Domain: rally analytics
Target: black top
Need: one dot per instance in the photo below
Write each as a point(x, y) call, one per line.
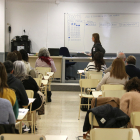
point(132, 71)
point(17, 85)
point(97, 48)
point(30, 84)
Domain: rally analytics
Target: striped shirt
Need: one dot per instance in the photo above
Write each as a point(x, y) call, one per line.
point(91, 67)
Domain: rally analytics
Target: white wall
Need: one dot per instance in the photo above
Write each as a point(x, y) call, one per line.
point(2, 25)
point(44, 22)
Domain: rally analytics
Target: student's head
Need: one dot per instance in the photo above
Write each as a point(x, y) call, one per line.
point(3, 78)
point(43, 52)
point(121, 55)
point(133, 85)
point(12, 56)
point(131, 60)
point(19, 70)
point(96, 38)
point(98, 59)
point(9, 66)
point(24, 55)
point(18, 55)
point(118, 69)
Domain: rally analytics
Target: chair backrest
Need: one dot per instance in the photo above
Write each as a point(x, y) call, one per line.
point(43, 70)
point(112, 87)
point(113, 93)
point(64, 52)
point(111, 134)
point(38, 81)
point(92, 120)
point(30, 93)
point(22, 137)
point(135, 119)
point(97, 75)
point(88, 73)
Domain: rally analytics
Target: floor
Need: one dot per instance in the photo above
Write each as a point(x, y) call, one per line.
point(61, 116)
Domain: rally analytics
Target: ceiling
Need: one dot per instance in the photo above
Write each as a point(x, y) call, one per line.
point(132, 1)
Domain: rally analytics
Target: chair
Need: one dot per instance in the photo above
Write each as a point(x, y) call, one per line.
point(92, 120)
point(30, 93)
point(111, 134)
point(113, 93)
point(95, 75)
point(135, 119)
point(86, 83)
point(87, 74)
point(112, 87)
point(22, 137)
point(65, 52)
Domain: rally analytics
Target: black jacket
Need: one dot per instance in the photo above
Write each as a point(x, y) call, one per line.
point(97, 48)
point(30, 84)
point(114, 117)
point(17, 85)
point(132, 71)
point(7, 128)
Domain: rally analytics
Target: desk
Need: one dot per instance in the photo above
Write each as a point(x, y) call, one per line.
point(58, 64)
point(96, 94)
point(80, 59)
point(22, 113)
point(56, 137)
point(135, 134)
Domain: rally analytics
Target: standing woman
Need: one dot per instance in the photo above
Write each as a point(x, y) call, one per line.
point(97, 47)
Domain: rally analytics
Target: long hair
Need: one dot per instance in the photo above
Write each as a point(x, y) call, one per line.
point(118, 69)
point(20, 71)
point(3, 78)
point(98, 60)
point(97, 38)
point(24, 55)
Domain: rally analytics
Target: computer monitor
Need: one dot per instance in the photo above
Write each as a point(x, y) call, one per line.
point(54, 51)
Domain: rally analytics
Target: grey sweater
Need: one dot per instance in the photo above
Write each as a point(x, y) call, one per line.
point(6, 112)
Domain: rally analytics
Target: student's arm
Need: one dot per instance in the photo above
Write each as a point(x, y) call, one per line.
point(108, 69)
point(87, 68)
point(103, 81)
point(124, 103)
point(53, 66)
point(12, 119)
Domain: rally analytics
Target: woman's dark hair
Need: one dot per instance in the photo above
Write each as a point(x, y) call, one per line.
point(3, 78)
point(12, 56)
point(98, 59)
point(18, 55)
point(9, 66)
point(133, 84)
point(24, 55)
point(96, 37)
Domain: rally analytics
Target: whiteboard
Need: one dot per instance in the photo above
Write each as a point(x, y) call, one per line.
point(118, 32)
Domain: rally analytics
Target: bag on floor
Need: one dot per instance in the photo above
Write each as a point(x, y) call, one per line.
point(41, 111)
point(49, 94)
point(85, 101)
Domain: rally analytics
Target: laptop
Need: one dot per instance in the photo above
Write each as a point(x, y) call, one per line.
point(54, 51)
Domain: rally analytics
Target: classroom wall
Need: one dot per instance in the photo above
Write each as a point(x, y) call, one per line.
point(2, 29)
point(44, 22)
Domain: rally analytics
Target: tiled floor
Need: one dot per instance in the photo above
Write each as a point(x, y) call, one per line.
point(61, 116)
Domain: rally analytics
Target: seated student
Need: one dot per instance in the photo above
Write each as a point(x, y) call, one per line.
point(25, 60)
point(130, 67)
point(98, 63)
point(119, 55)
point(16, 84)
point(28, 82)
point(44, 60)
point(12, 56)
point(7, 115)
point(117, 75)
point(6, 92)
point(130, 101)
point(18, 55)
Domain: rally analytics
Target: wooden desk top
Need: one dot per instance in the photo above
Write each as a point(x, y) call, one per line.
point(56, 137)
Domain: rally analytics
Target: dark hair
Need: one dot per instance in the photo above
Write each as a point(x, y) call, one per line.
point(131, 60)
point(3, 78)
point(118, 69)
point(9, 66)
point(12, 56)
point(24, 55)
point(96, 37)
point(18, 55)
point(133, 84)
point(98, 59)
